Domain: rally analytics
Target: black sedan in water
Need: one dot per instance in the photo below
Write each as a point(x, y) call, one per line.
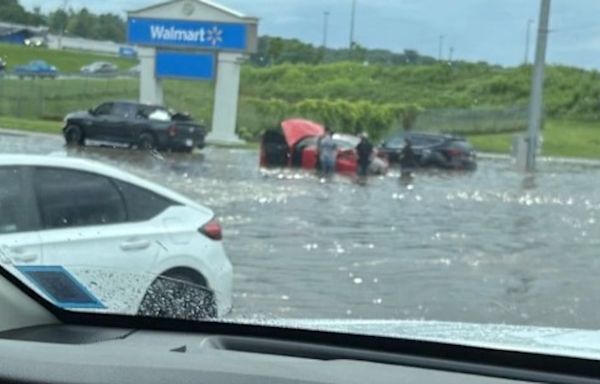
point(142, 125)
point(432, 150)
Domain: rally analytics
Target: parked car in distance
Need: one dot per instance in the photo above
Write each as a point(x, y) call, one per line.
point(99, 67)
point(36, 68)
point(432, 150)
point(35, 42)
point(294, 144)
point(102, 223)
point(143, 125)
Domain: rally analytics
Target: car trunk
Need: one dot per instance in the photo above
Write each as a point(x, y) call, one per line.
point(274, 149)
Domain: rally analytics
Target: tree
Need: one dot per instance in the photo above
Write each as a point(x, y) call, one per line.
point(37, 17)
point(82, 24)
point(11, 11)
point(109, 27)
point(57, 20)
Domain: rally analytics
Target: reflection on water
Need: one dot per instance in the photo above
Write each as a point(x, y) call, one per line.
point(529, 182)
point(489, 246)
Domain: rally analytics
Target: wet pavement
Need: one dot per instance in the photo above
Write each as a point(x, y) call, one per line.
point(491, 246)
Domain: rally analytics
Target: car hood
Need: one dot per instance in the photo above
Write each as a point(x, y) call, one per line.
point(295, 130)
point(545, 340)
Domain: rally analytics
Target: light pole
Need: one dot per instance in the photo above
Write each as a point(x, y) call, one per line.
point(537, 86)
point(441, 48)
point(352, 22)
point(527, 40)
point(64, 26)
point(451, 54)
point(325, 28)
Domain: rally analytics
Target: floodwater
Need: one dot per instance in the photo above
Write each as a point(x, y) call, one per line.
point(493, 246)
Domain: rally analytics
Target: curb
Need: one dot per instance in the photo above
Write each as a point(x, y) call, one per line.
point(23, 133)
point(545, 159)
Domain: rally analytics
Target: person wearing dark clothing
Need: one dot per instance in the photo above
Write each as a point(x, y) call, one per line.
point(364, 150)
point(408, 161)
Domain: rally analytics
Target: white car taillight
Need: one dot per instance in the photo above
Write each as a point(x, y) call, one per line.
point(212, 230)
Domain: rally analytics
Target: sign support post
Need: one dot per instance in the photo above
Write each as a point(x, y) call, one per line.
point(187, 39)
point(151, 91)
point(224, 119)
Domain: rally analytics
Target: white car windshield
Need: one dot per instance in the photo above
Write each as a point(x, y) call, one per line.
point(421, 169)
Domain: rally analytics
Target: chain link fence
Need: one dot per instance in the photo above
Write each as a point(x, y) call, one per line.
point(52, 99)
point(474, 120)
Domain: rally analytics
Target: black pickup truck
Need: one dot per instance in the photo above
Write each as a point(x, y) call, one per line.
point(142, 125)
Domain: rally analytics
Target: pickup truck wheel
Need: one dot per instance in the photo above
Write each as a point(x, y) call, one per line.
point(74, 135)
point(146, 141)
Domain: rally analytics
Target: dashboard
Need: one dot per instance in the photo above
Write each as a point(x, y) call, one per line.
point(43, 344)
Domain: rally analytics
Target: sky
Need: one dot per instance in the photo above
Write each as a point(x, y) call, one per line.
point(488, 30)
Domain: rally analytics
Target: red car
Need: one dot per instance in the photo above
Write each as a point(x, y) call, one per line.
point(294, 144)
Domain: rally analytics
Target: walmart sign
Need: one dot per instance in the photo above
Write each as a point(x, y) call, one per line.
point(187, 34)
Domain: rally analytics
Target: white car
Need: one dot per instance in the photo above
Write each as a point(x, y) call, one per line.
point(128, 241)
point(99, 67)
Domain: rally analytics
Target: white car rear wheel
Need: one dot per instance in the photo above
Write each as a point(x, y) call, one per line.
point(178, 296)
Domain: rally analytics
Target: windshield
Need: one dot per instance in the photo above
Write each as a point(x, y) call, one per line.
point(336, 221)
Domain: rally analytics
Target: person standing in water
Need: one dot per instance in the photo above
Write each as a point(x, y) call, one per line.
point(408, 161)
point(327, 150)
point(364, 150)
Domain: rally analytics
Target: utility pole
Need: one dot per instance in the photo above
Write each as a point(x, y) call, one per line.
point(451, 54)
point(325, 28)
point(537, 86)
point(64, 26)
point(441, 48)
point(527, 41)
point(352, 22)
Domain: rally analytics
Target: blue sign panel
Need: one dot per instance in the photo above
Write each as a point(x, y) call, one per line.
point(181, 65)
point(127, 52)
point(61, 287)
point(188, 34)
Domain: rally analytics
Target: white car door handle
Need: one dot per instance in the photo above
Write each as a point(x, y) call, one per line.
point(135, 245)
point(24, 257)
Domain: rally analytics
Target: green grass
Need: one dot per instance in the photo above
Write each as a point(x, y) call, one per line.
point(561, 138)
point(40, 104)
point(44, 126)
point(46, 98)
point(246, 145)
point(65, 61)
point(53, 99)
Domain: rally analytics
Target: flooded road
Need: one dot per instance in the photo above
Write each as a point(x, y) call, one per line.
point(490, 246)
